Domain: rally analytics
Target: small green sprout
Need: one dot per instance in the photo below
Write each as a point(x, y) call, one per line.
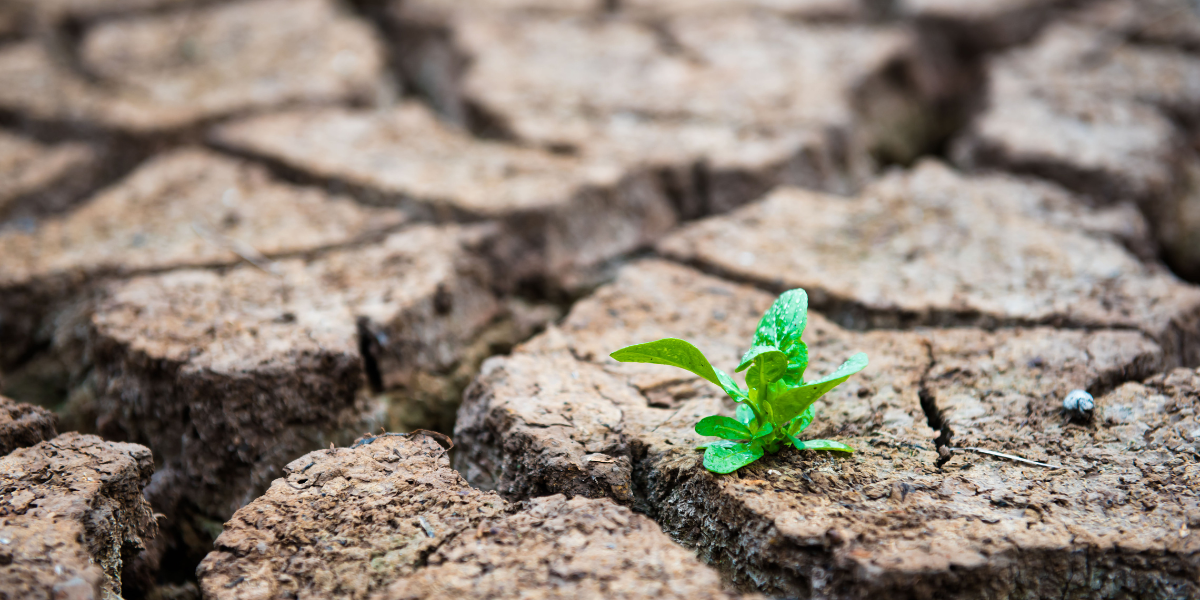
point(778, 405)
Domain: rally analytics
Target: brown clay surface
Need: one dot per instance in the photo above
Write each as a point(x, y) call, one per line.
point(559, 548)
point(1172, 23)
point(164, 72)
point(561, 215)
point(1095, 112)
point(38, 178)
point(981, 24)
point(347, 522)
point(934, 247)
point(49, 12)
point(70, 509)
point(230, 375)
point(750, 98)
point(23, 425)
point(558, 416)
point(182, 209)
point(344, 523)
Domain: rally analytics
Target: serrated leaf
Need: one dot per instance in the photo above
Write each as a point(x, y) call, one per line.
point(819, 445)
point(727, 458)
point(744, 414)
point(783, 324)
point(678, 353)
point(723, 427)
point(801, 422)
point(795, 401)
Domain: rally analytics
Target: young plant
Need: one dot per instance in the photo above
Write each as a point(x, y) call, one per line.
point(778, 404)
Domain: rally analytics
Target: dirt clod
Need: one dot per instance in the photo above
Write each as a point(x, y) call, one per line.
point(23, 425)
point(72, 511)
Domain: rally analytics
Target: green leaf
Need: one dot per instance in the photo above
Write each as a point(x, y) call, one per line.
point(797, 364)
point(678, 353)
point(772, 355)
point(795, 401)
point(801, 422)
point(783, 324)
point(820, 445)
point(744, 414)
point(767, 365)
point(729, 457)
point(765, 431)
point(723, 427)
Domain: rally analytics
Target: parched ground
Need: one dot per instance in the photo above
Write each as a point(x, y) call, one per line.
point(239, 239)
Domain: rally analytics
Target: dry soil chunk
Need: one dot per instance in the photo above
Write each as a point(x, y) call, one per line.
point(558, 416)
point(568, 214)
point(1094, 112)
point(1162, 22)
point(752, 98)
point(23, 425)
point(185, 208)
point(229, 375)
point(344, 523)
point(981, 24)
point(72, 510)
point(930, 246)
point(164, 72)
point(52, 12)
point(37, 178)
point(559, 548)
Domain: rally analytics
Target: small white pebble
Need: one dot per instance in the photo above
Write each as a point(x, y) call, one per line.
point(1079, 402)
point(773, 472)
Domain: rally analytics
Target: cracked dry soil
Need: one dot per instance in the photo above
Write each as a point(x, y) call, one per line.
point(237, 234)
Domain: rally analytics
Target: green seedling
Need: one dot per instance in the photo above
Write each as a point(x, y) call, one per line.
point(778, 404)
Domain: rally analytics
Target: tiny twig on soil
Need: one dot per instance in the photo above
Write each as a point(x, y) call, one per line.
point(1013, 457)
point(245, 251)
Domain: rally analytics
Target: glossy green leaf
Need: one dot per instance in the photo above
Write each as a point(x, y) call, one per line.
point(744, 414)
point(795, 401)
point(723, 427)
point(678, 353)
point(771, 355)
point(767, 365)
point(797, 363)
point(820, 445)
point(730, 386)
point(729, 457)
point(766, 430)
point(783, 324)
point(801, 422)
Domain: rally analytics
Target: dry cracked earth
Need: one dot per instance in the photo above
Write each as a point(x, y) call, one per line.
point(242, 239)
